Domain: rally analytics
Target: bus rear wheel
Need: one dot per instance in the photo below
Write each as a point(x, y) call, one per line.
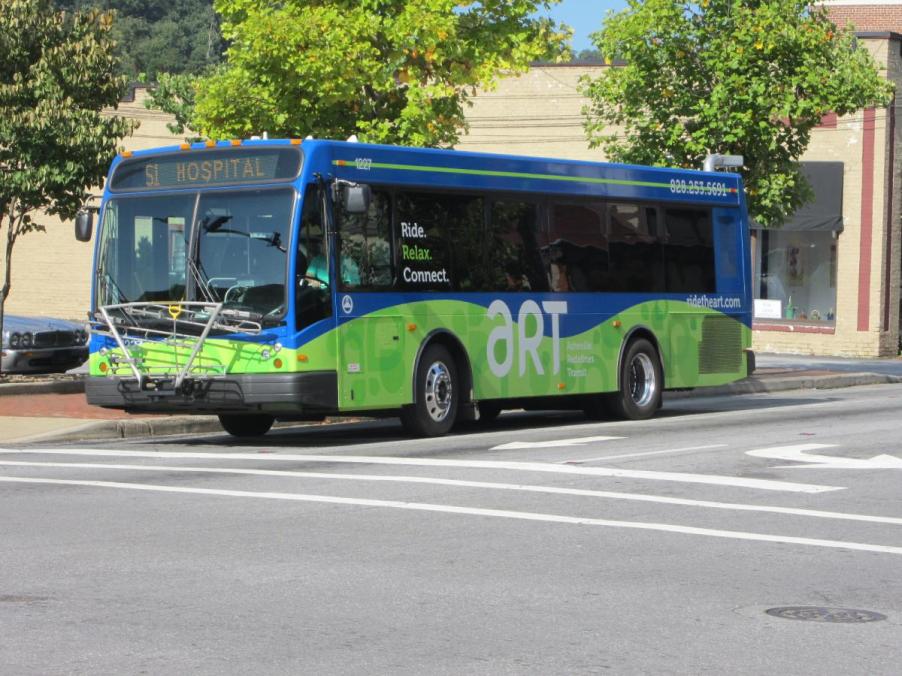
point(641, 382)
point(435, 395)
point(246, 425)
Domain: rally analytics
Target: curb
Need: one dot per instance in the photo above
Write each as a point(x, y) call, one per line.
point(757, 385)
point(68, 386)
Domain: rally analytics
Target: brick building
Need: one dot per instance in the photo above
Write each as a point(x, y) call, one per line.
point(867, 16)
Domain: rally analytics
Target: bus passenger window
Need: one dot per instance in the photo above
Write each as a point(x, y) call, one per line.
point(514, 261)
point(636, 257)
point(576, 250)
point(689, 251)
point(365, 246)
point(441, 242)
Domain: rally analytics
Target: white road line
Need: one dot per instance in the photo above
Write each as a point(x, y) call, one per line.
point(528, 488)
point(551, 443)
point(812, 461)
point(640, 455)
point(709, 479)
point(472, 511)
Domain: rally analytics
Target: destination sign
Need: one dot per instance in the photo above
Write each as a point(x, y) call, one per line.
point(198, 168)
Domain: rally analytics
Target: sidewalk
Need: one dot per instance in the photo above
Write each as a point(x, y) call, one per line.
point(57, 411)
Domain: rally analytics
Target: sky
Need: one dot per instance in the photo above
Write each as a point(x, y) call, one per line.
point(583, 16)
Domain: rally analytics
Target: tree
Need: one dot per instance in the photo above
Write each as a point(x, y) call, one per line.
point(394, 71)
point(588, 56)
point(57, 71)
point(174, 94)
point(746, 77)
point(160, 36)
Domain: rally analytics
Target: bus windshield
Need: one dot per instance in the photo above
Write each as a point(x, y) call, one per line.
point(228, 247)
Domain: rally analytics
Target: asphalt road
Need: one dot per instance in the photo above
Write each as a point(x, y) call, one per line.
point(539, 544)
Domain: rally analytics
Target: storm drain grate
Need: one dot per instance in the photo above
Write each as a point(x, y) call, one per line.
point(816, 614)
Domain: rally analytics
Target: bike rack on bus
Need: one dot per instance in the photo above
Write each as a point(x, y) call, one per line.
point(122, 322)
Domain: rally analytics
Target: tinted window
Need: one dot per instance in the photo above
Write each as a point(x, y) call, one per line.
point(514, 262)
point(575, 252)
point(689, 250)
point(365, 245)
point(635, 249)
point(440, 242)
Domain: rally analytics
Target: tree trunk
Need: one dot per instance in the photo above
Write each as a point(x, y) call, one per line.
point(8, 257)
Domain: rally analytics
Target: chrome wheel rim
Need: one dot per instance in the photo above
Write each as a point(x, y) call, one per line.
point(642, 381)
point(438, 391)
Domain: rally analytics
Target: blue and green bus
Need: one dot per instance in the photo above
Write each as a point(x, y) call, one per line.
point(270, 280)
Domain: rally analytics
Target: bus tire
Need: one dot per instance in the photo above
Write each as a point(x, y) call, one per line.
point(246, 425)
point(641, 382)
point(435, 395)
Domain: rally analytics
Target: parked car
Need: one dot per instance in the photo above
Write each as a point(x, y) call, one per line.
point(42, 344)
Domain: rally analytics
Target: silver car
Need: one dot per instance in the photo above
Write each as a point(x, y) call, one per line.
point(42, 344)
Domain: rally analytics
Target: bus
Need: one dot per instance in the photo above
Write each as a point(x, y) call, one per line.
point(280, 280)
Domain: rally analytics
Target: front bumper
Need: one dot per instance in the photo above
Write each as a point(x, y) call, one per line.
point(283, 394)
point(43, 360)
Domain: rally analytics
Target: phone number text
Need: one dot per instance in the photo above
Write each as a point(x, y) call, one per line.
point(681, 187)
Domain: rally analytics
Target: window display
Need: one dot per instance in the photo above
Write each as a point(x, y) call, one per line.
point(795, 276)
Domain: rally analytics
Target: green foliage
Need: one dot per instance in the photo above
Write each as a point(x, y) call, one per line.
point(390, 71)
point(747, 77)
point(174, 94)
point(57, 71)
point(160, 36)
point(588, 56)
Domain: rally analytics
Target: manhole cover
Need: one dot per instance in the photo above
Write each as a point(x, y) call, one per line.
point(816, 614)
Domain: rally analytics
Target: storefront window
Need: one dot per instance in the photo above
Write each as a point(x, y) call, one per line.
point(795, 276)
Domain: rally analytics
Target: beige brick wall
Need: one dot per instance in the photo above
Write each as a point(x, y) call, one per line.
point(537, 113)
point(51, 271)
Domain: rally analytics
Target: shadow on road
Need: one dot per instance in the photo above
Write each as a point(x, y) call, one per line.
point(364, 431)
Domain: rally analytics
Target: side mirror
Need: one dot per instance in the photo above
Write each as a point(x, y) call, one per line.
point(84, 225)
point(356, 197)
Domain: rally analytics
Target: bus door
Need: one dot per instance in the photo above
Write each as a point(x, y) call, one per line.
point(372, 372)
point(313, 297)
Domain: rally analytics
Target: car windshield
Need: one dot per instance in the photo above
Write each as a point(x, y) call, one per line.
point(239, 240)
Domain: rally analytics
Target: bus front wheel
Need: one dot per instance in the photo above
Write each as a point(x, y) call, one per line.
point(641, 382)
point(435, 395)
point(246, 425)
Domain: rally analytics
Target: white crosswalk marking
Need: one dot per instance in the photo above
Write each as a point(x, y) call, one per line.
point(472, 511)
point(493, 485)
point(681, 477)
